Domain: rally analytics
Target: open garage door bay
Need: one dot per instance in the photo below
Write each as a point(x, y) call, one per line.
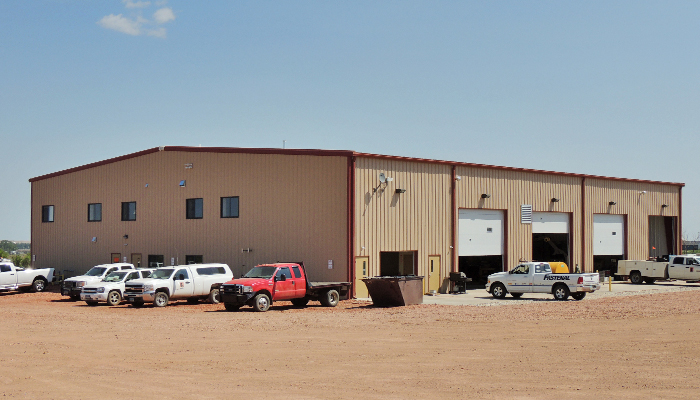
point(480, 242)
point(608, 241)
point(550, 236)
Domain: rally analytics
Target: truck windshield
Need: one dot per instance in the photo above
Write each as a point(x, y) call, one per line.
point(96, 271)
point(115, 277)
point(260, 272)
point(162, 273)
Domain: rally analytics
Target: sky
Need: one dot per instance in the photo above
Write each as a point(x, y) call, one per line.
point(593, 87)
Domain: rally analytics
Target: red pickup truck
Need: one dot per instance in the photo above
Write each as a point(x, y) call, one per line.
point(266, 283)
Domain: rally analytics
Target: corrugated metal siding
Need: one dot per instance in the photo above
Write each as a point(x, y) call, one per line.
point(636, 206)
point(418, 220)
point(292, 208)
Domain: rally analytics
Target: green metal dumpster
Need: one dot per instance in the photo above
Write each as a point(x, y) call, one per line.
point(393, 291)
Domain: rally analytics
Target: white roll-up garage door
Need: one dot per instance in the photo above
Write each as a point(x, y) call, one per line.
point(608, 234)
point(550, 222)
point(480, 232)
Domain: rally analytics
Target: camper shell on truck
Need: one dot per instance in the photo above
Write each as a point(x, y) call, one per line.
point(267, 283)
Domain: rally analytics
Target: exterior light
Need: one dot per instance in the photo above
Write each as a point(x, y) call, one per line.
point(399, 191)
point(555, 200)
point(664, 205)
point(612, 203)
point(182, 183)
point(126, 236)
point(485, 196)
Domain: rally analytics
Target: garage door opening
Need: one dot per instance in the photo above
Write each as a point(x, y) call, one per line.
point(608, 242)
point(397, 263)
point(155, 260)
point(480, 267)
point(480, 243)
point(661, 236)
point(550, 237)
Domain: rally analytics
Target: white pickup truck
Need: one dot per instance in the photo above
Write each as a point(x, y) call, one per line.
point(537, 277)
point(15, 278)
point(110, 290)
point(191, 282)
point(682, 268)
point(74, 285)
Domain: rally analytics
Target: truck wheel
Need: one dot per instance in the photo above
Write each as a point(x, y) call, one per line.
point(114, 298)
point(161, 299)
point(231, 307)
point(91, 303)
point(517, 295)
point(137, 303)
point(38, 285)
point(649, 281)
point(261, 302)
point(300, 302)
point(498, 291)
point(636, 277)
point(578, 296)
point(330, 298)
point(560, 292)
point(214, 296)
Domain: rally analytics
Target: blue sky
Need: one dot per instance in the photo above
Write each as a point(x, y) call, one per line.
point(596, 87)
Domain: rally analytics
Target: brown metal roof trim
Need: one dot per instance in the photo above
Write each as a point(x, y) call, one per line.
point(333, 153)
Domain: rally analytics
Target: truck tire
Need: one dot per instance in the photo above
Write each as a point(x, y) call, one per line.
point(579, 295)
point(517, 295)
point(560, 292)
point(38, 285)
point(261, 302)
point(636, 277)
point(114, 298)
point(137, 303)
point(329, 298)
point(91, 303)
point(161, 299)
point(649, 281)
point(498, 290)
point(214, 297)
point(300, 302)
point(231, 307)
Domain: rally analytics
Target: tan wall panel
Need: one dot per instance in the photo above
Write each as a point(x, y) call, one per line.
point(292, 208)
point(418, 220)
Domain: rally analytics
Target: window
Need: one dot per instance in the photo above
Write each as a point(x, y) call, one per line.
point(297, 272)
point(181, 275)
point(95, 212)
point(5, 268)
point(47, 214)
point(129, 211)
point(195, 208)
point(155, 260)
point(283, 271)
point(133, 275)
point(229, 207)
point(194, 259)
point(211, 271)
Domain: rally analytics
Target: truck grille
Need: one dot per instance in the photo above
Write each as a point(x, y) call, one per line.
point(89, 290)
point(69, 284)
point(232, 289)
point(134, 288)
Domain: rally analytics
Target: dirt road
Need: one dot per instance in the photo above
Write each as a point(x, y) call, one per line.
point(632, 347)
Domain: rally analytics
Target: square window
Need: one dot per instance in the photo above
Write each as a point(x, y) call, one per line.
point(95, 212)
point(46, 213)
point(229, 207)
point(195, 208)
point(129, 211)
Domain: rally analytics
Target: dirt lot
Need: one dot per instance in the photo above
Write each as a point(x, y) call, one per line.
point(630, 347)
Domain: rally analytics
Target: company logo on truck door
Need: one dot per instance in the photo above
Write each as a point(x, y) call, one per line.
point(556, 277)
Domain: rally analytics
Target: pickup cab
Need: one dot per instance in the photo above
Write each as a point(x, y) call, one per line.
point(110, 290)
point(73, 286)
point(267, 283)
point(682, 268)
point(192, 282)
point(537, 277)
point(15, 278)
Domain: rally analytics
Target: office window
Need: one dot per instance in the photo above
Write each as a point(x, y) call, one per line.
point(192, 259)
point(46, 213)
point(95, 212)
point(229, 207)
point(195, 208)
point(129, 211)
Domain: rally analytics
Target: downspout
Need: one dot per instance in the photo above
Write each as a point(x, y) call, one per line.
point(351, 223)
point(455, 263)
point(679, 234)
point(584, 252)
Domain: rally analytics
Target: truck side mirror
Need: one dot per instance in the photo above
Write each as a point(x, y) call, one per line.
point(283, 277)
point(181, 277)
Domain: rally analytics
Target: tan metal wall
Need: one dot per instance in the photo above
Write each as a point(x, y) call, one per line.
point(636, 206)
point(292, 208)
point(418, 220)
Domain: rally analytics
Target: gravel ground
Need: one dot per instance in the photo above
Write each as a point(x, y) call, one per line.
point(616, 345)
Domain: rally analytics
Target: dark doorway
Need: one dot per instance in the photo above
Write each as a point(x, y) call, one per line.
point(607, 263)
point(480, 267)
point(550, 247)
point(194, 260)
point(397, 263)
point(662, 236)
point(155, 260)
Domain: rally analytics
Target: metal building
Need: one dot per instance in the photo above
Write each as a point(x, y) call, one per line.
point(347, 215)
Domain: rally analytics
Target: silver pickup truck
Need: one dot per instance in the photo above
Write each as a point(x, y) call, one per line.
point(537, 277)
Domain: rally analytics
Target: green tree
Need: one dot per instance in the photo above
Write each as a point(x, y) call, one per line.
point(3, 254)
point(21, 260)
point(7, 246)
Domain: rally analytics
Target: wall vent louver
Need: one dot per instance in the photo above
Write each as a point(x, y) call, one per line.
point(526, 213)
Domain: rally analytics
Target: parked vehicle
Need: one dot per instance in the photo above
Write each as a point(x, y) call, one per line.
point(267, 283)
point(16, 278)
point(110, 290)
point(537, 277)
point(192, 282)
point(683, 268)
point(74, 285)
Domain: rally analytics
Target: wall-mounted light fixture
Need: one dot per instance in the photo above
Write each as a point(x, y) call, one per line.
point(182, 183)
point(611, 203)
point(188, 166)
point(555, 200)
point(125, 236)
point(664, 205)
point(643, 192)
point(458, 178)
point(399, 191)
point(485, 196)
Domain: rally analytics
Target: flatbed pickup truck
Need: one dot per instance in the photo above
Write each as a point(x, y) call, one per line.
point(266, 283)
point(682, 268)
point(16, 278)
point(537, 277)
